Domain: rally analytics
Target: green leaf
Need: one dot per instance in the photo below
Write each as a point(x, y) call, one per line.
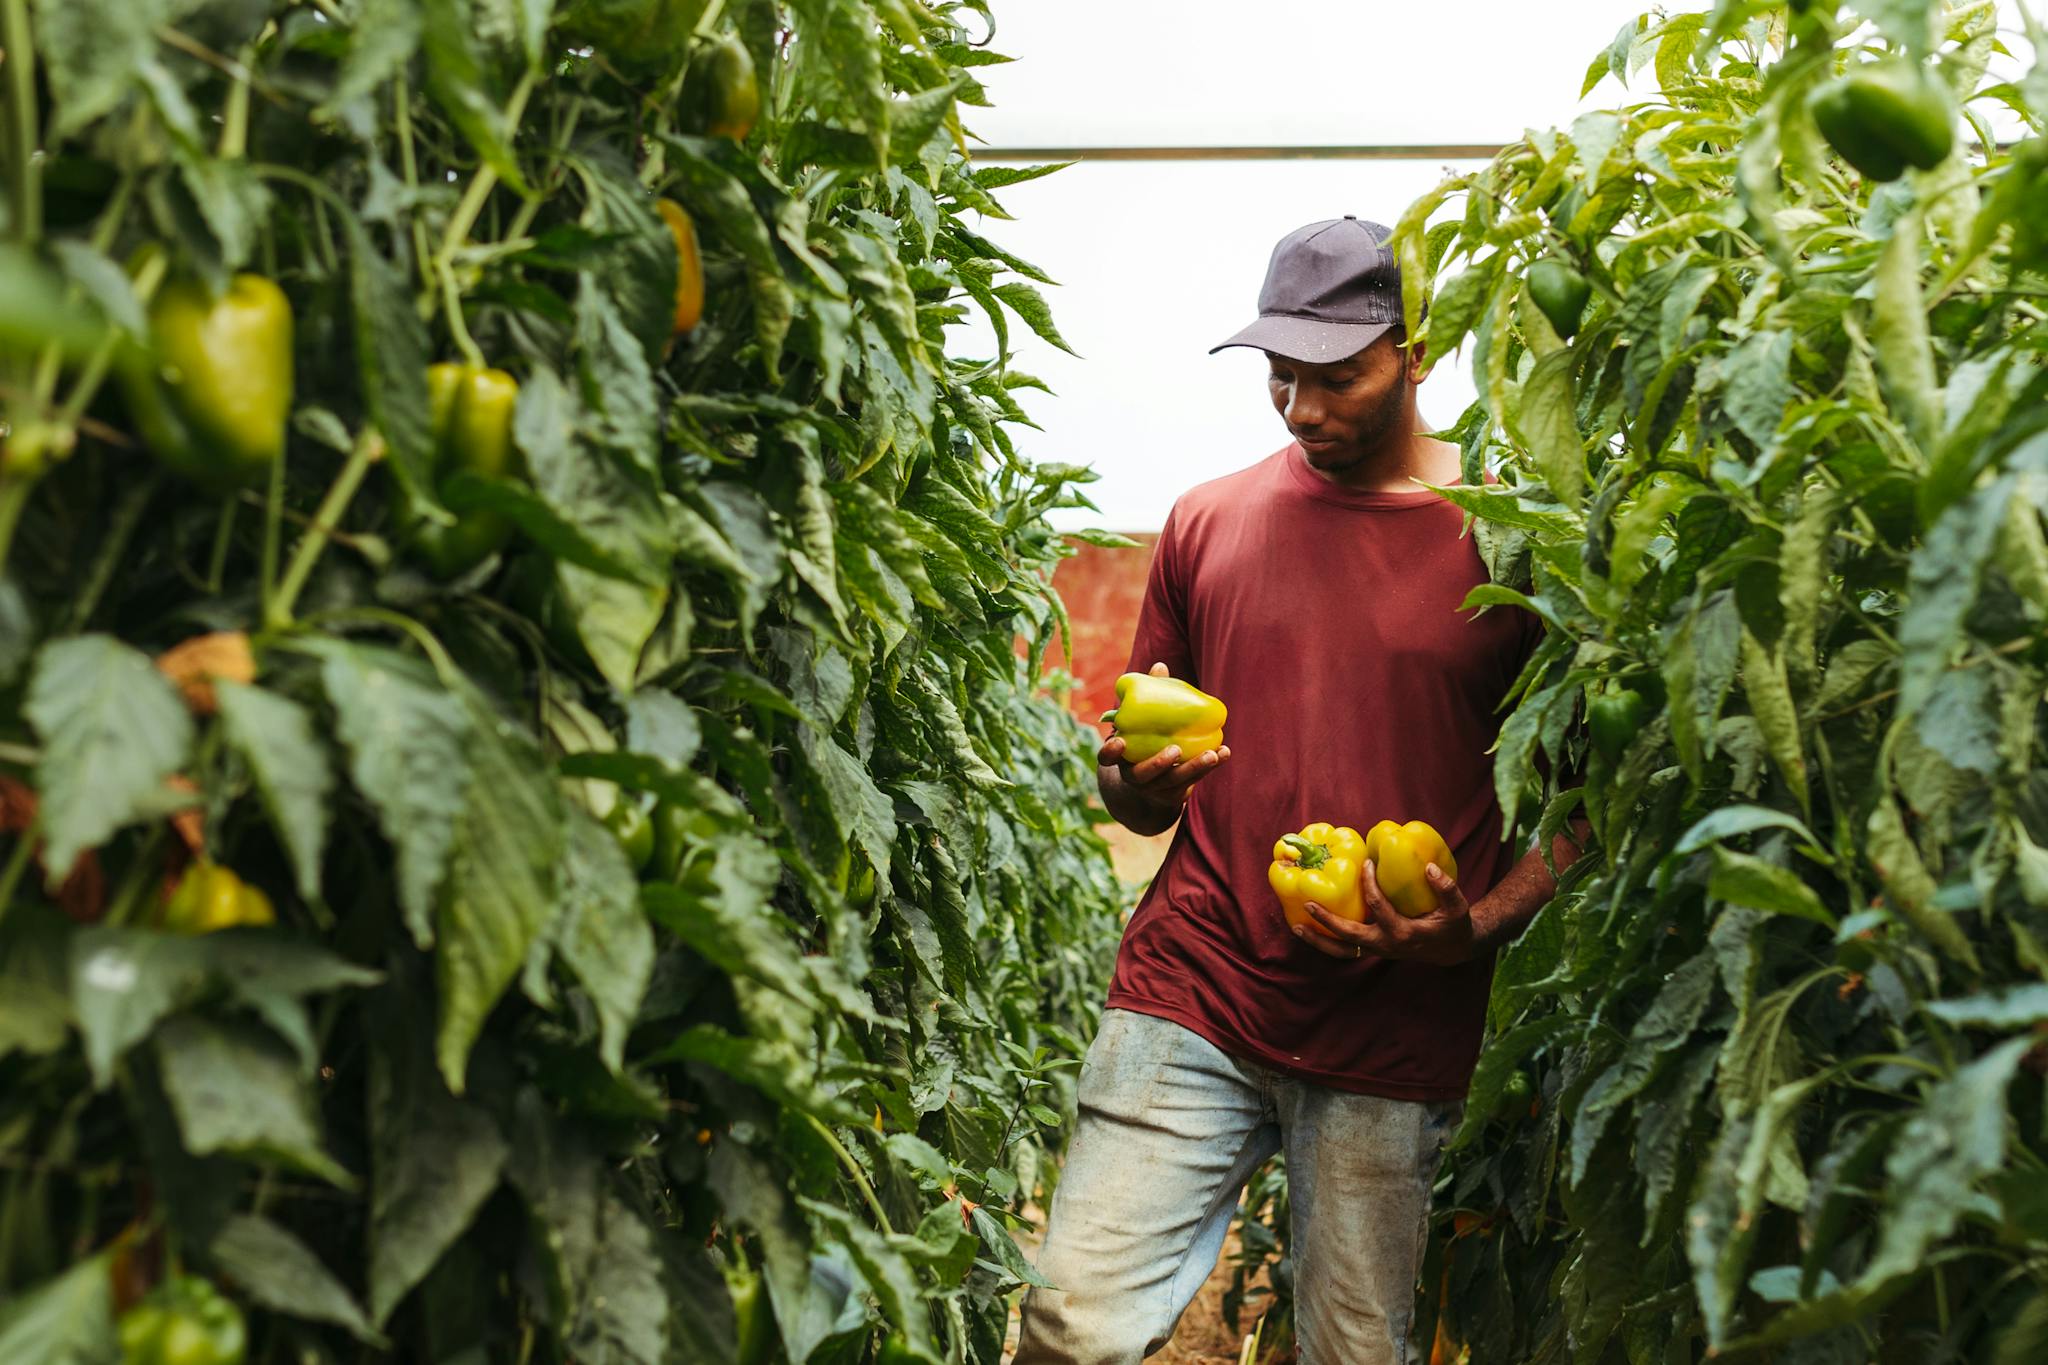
point(94, 50)
point(1549, 426)
point(236, 1091)
point(863, 815)
point(604, 506)
point(123, 984)
point(1777, 716)
point(2017, 1006)
point(1957, 1137)
point(391, 360)
point(275, 736)
point(1898, 330)
point(1911, 887)
point(383, 41)
point(460, 82)
point(65, 1320)
point(1741, 879)
point(1027, 303)
point(627, 1319)
point(37, 310)
point(501, 885)
point(1909, 23)
point(113, 730)
point(279, 1272)
point(1943, 582)
point(602, 934)
point(841, 34)
point(614, 618)
point(409, 755)
point(434, 1159)
point(1759, 385)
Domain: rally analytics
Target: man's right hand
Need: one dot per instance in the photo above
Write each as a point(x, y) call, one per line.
point(1147, 797)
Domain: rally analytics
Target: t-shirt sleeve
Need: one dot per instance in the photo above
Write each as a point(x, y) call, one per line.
point(1162, 635)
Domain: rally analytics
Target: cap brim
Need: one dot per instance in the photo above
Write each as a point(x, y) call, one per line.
point(1306, 339)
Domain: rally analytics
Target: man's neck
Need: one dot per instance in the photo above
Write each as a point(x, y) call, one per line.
point(1395, 467)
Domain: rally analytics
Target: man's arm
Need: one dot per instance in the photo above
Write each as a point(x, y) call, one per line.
point(1504, 912)
point(1457, 930)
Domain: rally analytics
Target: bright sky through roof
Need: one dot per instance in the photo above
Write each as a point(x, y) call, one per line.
point(1159, 260)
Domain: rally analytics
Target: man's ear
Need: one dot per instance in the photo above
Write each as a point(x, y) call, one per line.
point(1417, 357)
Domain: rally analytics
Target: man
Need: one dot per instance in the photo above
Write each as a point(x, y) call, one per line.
point(1317, 594)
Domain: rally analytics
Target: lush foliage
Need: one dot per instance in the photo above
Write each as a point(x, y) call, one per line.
point(1784, 484)
point(453, 1082)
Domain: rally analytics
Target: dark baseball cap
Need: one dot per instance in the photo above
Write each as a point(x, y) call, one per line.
point(1332, 289)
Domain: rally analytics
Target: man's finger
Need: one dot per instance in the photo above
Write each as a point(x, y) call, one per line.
point(1112, 751)
point(1195, 769)
point(1350, 930)
point(1451, 900)
point(1384, 915)
point(1350, 934)
point(1159, 670)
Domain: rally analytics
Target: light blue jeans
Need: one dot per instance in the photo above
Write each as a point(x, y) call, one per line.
point(1170, 1129)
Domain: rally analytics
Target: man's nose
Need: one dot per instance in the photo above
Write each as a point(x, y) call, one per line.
point(1303, 409)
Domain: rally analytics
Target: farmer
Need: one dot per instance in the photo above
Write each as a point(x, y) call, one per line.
point(1317, 593)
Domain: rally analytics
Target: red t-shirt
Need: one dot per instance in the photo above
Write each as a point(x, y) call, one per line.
point(1326, 619)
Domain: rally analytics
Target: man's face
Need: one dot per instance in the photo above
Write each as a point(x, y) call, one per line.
point(1342, 410)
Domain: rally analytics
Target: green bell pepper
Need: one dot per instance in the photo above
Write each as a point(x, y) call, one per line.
point(213, 398)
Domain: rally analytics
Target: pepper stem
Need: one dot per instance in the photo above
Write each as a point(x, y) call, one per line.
point(1312, 855)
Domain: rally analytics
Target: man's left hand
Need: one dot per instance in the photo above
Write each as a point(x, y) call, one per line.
point(1444, 937)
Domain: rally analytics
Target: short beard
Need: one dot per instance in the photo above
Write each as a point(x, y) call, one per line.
point(1383, 422)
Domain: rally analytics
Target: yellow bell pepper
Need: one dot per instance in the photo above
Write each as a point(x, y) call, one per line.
point(1153, 713)
point(212, 897)
point(1399, 855)
point(1320, 864)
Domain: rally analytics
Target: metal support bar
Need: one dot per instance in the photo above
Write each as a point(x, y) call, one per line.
point(1443, 151)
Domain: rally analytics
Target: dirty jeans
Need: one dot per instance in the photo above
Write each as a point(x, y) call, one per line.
point(1170, 1129)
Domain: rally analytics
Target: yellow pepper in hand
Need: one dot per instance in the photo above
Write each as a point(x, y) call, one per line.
point(1320, 864)
point(1400, 855)
point(1154, 713)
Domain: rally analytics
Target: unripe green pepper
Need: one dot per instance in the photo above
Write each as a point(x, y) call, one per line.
point(1886, 115)
point(1560, 293)
point(629, 821)
point(753, 1325)
point(470, 415)
point(1515, 1098)
point(1614, 719)
point(672, 825)
point(721, 90)
point(213, 399)
point(185, 1322)
point(639, 37)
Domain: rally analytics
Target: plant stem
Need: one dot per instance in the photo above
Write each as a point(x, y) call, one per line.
point(853, 1168)
point(368, 449)
point(14, 491)
point(26, 198)
point(17, 862)
point(408, 165)
point(234, 126)
point(126, 517)
point(483, 182)
point(273, 509)
point(223, 533)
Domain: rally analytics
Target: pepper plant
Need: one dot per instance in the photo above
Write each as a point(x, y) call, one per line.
point(1773, 453)
point(532, 829)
